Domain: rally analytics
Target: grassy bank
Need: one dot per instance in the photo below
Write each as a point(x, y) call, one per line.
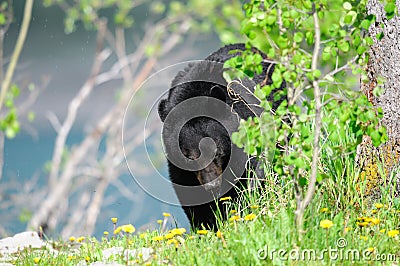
point(260, 231)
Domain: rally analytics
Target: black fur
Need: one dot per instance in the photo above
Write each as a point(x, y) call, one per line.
point(205, 79)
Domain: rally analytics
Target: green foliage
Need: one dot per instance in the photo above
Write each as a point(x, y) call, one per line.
point(202, 15)
point(89, 12)
point(9, 123)
point(287, 33)
point(5, 13)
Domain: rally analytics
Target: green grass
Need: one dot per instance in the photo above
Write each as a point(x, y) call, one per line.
point(268, 238)
point(260, 231)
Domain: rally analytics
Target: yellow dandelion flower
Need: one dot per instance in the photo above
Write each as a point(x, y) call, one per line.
point(378, 205)
point(365, 238)
point(169, 236)
point(105, 233)
point(326, 224)
point(225, 198)
point(233, 211)
point(117, 230)
point(371, 249)
point(375, 221)
point(324, 210)
point(166, 214)
point(80, 239)
point(219, 234)
point(374, 211)
point(382, 230)
point(71, 258)
point(142, 235)
point(254, 207)
point(348, 229)
point(393, 233)
point(173, 241)
point(159, 221)
point(234, 218)
point(178, 231)
point(250, 217)
point(72, 239)
point(157, 238)
point(362, 224)
point(36, 260)
point(114, 220)
point(202, 232)
point(87, 258)
point(128, 228)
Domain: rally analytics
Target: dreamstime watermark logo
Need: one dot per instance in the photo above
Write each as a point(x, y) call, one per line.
point(338, 253)
point(202, 79)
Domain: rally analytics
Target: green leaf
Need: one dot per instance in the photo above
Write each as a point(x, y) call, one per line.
point(365, 24)
point(317, 73)
point(379, 36)
point(303, 118)
point(356, 41)
point(309, 38)
point(344, 46)
point(326, 55)
point(350, 17)
point(376, 138)
point(2, 19)
point(390, 8)
point(271, 53)
point(347, 6)
point(270, 20)
point(10, 133)
point(282, 42)
point(297, 59)
point(302, 181)
point(298, 37)
point(277, 78)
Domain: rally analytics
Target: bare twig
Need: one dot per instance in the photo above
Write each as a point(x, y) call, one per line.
point(74, 106)
point(339, 69)
point(17, 50)
point(120, 50)
point(317, 130)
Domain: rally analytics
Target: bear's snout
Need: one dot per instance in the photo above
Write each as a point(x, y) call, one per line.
point(211, 178)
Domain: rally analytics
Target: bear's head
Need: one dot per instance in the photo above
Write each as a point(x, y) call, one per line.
point(199, 129)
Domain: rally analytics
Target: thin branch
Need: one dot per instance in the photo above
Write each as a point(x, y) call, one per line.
point(74, 107)
point(344, 67)
point(54, 121)
point(318, 111)
point(120, 51)
point(76, 217)
point(17, 50)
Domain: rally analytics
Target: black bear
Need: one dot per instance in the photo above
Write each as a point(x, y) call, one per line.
point(199, 116)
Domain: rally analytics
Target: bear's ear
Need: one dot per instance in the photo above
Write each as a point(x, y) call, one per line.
point(218, 92)
point(163, 109)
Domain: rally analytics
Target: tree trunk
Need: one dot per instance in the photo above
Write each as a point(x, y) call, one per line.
point(384, 64)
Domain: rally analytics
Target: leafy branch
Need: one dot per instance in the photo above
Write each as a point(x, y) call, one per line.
point(17, 51)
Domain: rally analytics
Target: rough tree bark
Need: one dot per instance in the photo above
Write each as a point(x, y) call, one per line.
point(384, 62)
